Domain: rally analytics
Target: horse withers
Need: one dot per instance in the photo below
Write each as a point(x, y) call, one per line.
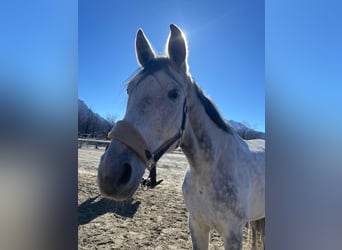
point(224, 185)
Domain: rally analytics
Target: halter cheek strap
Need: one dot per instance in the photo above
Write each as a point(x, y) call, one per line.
point(127, 134)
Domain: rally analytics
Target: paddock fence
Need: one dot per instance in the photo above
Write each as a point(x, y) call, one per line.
point(88, 142)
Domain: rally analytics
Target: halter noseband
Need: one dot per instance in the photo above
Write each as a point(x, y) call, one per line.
point(127, 134)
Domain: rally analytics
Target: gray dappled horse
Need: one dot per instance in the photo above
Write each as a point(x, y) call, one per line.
point(224, 186)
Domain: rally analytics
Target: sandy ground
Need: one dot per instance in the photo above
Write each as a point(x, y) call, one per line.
point(152, 219)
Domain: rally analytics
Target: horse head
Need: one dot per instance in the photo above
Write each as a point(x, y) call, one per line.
point(155, 116)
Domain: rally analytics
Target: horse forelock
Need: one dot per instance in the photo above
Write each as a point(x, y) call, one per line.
point(153, 66)
point(156, 64)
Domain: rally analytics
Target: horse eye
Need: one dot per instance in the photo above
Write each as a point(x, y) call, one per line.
point(173, 94)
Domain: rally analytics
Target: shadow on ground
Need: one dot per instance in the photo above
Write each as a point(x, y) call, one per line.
point(92, 208)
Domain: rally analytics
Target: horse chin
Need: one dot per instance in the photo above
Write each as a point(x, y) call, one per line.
point(123, 195)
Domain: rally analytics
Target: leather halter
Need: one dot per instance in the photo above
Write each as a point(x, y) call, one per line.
point(127, 134)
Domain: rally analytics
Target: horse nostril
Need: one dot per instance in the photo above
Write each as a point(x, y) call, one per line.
point(126, 174)
point(108, 179)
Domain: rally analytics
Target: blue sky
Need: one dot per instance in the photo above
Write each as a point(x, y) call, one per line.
point(226, 51)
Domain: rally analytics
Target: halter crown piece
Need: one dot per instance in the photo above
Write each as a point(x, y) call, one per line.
point(127, 134)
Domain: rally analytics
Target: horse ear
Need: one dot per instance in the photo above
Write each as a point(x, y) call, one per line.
point(177, 47)
point(143, 49)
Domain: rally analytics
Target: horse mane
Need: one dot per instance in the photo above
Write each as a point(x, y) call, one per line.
point(212, 111)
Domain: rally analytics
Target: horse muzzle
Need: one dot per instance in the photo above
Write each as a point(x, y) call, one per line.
point(120, 172)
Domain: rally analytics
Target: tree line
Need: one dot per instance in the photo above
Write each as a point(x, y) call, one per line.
point(91, 124)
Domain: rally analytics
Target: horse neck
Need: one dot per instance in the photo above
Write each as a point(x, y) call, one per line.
point(204, 142)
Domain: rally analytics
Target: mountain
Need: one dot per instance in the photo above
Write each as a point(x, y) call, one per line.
point(246, 132)
point(91, 124)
